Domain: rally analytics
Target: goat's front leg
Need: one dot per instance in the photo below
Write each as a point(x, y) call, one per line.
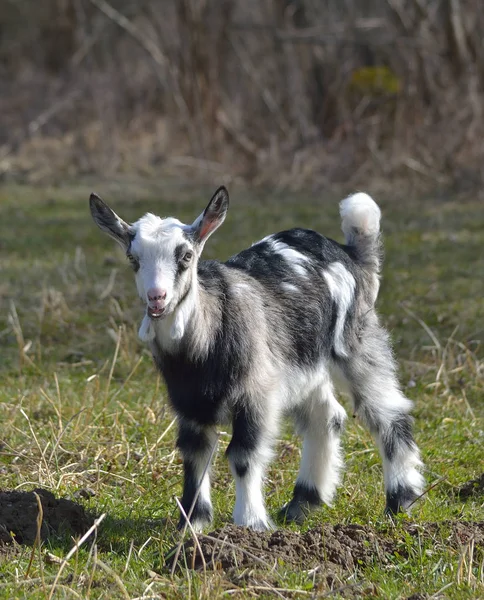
point(249, 452)
point(196, 444)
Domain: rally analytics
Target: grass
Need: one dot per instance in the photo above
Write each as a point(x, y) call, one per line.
point(83, 413)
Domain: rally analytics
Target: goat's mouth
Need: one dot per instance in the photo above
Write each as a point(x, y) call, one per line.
point(156, 313)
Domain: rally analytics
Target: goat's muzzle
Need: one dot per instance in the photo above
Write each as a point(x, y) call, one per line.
point(156, 303)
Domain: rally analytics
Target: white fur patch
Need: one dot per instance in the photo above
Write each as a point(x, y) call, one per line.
point(375, 288)
point(295, 259)
point(341, 285)
point(289, 287)
point(183, 312)
point(241, 288)
point(403, 470)
point(250, 510)
point(322, 461)
point(146, 331)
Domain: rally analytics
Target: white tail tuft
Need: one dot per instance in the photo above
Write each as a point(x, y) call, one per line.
point(360, 216)
point(360, 222)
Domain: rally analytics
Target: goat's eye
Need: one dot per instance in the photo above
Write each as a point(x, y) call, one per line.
point(133, 262)
point(187, 256)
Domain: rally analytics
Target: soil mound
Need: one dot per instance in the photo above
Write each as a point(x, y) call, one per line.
point(19, 511)
point(344, 547)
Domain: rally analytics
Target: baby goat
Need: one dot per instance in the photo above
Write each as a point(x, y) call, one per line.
point(264, 335)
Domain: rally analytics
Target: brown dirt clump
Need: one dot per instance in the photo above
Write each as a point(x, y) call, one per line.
point(337, 548)
point(19, 511)
point(345, 546)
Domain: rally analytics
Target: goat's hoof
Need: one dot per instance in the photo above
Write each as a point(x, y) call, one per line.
point(296, 511)
point(199, 520)
point(305, 499)
point(198, 525)
point(400, 500)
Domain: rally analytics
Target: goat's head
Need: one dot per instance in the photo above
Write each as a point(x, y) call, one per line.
point(163, 252)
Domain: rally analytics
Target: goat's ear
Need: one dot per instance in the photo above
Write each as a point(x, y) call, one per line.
point(109, 222)
point(212, 217)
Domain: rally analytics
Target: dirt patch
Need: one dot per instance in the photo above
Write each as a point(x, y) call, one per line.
point(19, 511)
point(472, 488)
point(337, 548)
point(345, 546)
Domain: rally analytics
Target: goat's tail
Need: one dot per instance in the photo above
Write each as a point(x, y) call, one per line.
point(360, 222)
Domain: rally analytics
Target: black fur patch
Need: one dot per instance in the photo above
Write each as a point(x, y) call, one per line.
point(182, 265)
point(398, 434)
point(192, 440)
point(336, 424)
point(307, 494)
point(134, 262)
point(245, 438)
point(201, 511)
point(241, 468)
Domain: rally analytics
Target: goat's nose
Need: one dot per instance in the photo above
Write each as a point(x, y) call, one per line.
point(155, 294)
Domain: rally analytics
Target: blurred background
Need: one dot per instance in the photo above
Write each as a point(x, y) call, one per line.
point(288, 92)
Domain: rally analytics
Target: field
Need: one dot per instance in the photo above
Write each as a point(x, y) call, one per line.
point(84, 416)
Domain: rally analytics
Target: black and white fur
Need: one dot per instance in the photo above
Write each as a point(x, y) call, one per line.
point(266, 334)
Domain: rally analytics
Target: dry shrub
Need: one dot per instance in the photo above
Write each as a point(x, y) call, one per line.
point(317, 92)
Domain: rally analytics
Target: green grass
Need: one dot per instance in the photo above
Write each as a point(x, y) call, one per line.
point(82, 407)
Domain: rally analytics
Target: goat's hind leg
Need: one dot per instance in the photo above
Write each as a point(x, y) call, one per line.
point(196, 446)
point(379, 402)
point(320, 419)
